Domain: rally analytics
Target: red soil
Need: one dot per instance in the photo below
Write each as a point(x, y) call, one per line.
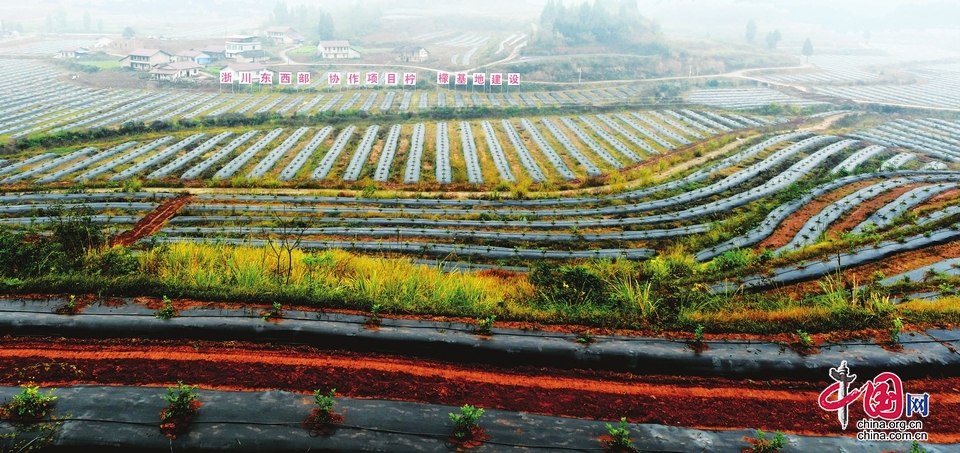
point(790, 226)
point(867, 208)
point(152, 222)
point(708, 403)
point(891, 266)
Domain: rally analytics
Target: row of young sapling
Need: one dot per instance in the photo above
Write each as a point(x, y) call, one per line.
point(31, 407)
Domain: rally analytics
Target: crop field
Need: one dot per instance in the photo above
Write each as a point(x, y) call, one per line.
point(560, 256)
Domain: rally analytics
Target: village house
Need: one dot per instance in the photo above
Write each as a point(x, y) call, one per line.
point(176, 71)
point(122, 44)
point(413, 54)
point(251, 56)
point(336, 50)
point(72, 52)
point(103, 42)
point(195, 56)
point(241, 43)
point(145, 59)
point(235, 68)
point(215, 52)
point(284, 35)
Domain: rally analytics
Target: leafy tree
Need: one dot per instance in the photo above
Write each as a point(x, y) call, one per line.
point(281, 14)
point(549, 14)
point(807, 49)
point(86, 20)
point(773, 38)
point(593, 23)
point(100, 25)
point(751, 30)
point(19, 28)
point(128, 33)
point(325, 29)
point(61, 16)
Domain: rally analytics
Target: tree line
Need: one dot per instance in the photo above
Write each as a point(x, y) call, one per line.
point(774, 37)
point(585, 24)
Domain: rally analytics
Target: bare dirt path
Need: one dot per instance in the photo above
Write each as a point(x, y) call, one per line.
point(152, 222)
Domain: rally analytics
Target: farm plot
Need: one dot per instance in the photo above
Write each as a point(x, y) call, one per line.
point(470, 156)
point(197, 170)
point(382, 173)
point(234, 165)
point(330, 158)
point(427, 235)
point(496, 150)
point(133, 155)
point(525, 158)
point(405, 102)
point(291, 170)
point(156, 158)
point(179, 162)
point(331, 103)
point(610, 139)
point(350, 102)
point(442, 147)
point(411, 174)
point(362, 154)
point(745, 98)
point(271, 159)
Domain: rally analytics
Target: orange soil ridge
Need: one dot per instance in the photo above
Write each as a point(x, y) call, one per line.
point(152, 222)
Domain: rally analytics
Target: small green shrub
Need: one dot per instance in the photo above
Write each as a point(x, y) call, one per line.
point(181, 399)
point(619, 438)
point(915, 448)
point(324, 402)
point(276, 312)
point(374, 319)
point(167, 311)
point(762, 445)
point(465, 423)
point(698, 334)
point(586, 338)
point(30, 403)
point(805, 339)
point(895, 330)
point(485, 325)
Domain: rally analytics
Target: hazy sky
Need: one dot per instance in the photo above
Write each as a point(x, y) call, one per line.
point(719, 18)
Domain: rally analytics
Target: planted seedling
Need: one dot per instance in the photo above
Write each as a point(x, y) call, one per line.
point(29, 405)
point(184, 403)
point(466, 431)
point(70, 308)
point(275, 313)
point(167, 311)
point(698, 344)
point(374, 320)
point(762, 445)
point(915, 448)
point(322, 418)
point(895, 331)
point(586, 338)
point(485, 326)
point(618, 440)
